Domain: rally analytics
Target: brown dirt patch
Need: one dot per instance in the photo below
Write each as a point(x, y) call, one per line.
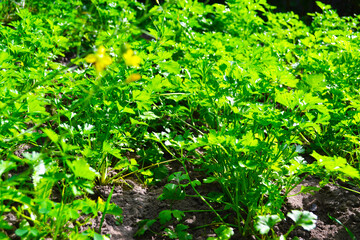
point(141, 203)
point(341, 204)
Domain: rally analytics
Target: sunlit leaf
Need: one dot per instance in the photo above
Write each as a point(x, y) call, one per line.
point(305, 219)
point(265, 223)
point(82, 169)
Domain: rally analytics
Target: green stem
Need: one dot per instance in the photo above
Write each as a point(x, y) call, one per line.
point(290, 230)
point(200, 196)
point(349, 189)
point(24, 216)
point(192, 185)
point(105, 209)
point(293, 186)
point(141, 169)
point(59, 215)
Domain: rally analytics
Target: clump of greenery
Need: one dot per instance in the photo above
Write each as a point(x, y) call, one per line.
point(245, 94)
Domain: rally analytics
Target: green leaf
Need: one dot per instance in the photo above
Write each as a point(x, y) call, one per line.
point(163, 55)
point(195, 183)
point(73, 214)
point(136, 122)
point(265, 223)
point(288, 80)
point(170, 66)
point(4, 56)
point(224, 232)
point(172, 192)
point(148, 116)
point(43, 185)
point(36, 104)
point(142, 99)
point(79, 236)
point(128, 110)
point(21, 232)
point(100, 237)
point(82, 169)
point(51, 134)
point(316, 82)
point(178, 214)
point(165, 216)
point(170, 233)
point(323, 6)
point(33, 156)
point(15, 196)
point(336, 164)
point(34, 232)
point(216, 196)
point(3, 236)
point(141, 96)
point(4, 224)
point(287, 99)
point(309, 189)
point(153, 33)
point(352, 236)
point(107, 148)
point(6, 166)
point(144, 226)
point(249, 140)
point(305, 219)
point(147, 173)
point(114, 209)
point(46, 206)
point(182, 235)
point(350, 171)
point(178, 177)
point(210, 179)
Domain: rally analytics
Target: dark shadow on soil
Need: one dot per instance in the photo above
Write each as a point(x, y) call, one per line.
point(141, 203)
point(341, 204)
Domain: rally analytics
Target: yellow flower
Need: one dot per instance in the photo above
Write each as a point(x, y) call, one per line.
point(100, 59)
point(100, 200)
point(133, 77)
point(131, 59)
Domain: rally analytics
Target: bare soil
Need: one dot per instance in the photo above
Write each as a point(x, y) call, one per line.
point(332, 200)
point(141, 203)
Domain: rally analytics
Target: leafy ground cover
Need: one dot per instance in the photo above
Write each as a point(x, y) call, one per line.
point(232, 105)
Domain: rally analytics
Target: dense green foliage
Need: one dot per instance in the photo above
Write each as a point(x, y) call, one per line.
point(256, 100)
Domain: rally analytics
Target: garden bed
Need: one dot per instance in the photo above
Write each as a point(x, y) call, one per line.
point(178, 120)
